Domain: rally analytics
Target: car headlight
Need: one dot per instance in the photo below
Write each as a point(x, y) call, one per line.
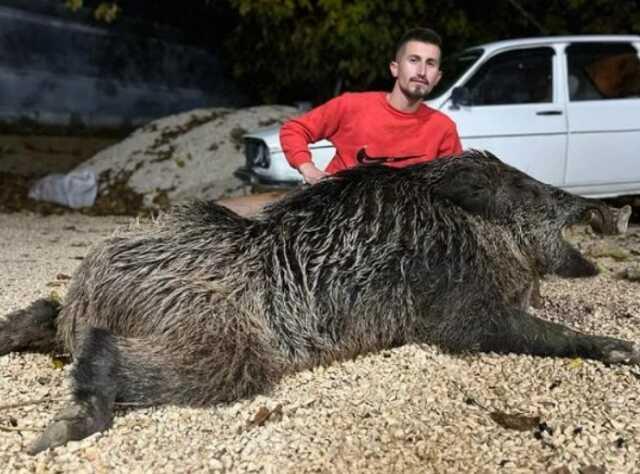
point(256, 153)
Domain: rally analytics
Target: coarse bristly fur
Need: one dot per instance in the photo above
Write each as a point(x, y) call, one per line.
point(213, 306)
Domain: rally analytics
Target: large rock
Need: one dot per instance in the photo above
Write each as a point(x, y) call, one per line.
point(189, 155)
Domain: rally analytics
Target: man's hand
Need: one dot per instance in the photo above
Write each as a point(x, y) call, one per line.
point(311, 173)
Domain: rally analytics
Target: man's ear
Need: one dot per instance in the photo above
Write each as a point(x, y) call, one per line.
point(393, 67)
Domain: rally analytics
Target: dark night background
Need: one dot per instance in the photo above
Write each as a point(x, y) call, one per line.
point(282, 52)
point(73, 81)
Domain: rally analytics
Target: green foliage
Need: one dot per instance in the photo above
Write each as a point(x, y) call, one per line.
point(593, 16)
point(286, 50)
point(73, 5)
point(299, 49)
point(106, 12)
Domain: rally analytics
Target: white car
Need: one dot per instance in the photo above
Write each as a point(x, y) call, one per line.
point(565, 110)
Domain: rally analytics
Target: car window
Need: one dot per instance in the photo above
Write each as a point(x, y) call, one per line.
point(453, 68)
point(514, 77)
point(600, 71)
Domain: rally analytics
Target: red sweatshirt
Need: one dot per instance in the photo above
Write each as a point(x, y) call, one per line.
point(366, 121)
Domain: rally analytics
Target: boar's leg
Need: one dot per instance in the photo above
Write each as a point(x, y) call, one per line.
point(30, 329)
point(196, 370)
point(110, 369)
point(94, 393)
point(522, 333)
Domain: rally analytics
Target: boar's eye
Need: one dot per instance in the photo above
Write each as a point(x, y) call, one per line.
point(524, 189)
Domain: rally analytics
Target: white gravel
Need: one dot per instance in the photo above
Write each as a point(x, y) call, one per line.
point(411, 409)
point(187, 155)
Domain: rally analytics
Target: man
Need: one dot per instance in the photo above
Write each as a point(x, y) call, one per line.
point(394, 128)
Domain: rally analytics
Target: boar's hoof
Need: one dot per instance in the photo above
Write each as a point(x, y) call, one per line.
point(610, 221)
point(624, 356)
point(76, 421)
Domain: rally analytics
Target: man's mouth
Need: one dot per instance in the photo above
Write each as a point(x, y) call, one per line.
point(420, 81)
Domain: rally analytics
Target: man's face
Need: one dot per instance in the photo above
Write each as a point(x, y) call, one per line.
point(417, 69)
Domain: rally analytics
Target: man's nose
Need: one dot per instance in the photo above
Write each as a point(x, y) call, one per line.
point(422, 69)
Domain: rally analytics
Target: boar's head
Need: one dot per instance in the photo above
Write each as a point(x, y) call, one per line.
point(535, 213)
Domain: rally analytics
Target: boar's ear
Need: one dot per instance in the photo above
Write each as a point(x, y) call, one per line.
point(469, 189)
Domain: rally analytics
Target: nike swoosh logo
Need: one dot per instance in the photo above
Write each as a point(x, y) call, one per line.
point(365, 159)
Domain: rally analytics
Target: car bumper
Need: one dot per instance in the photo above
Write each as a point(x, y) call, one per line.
point(249, 176)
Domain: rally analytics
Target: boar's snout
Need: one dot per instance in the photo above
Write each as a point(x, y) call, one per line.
point(609, 220)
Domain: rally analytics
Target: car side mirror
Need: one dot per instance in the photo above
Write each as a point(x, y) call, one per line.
point(460, 96)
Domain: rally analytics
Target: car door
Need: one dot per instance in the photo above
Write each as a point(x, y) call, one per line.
point(513, 109)
point(604, 118)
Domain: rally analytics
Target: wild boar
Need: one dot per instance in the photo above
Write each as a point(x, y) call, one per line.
point(213, 306)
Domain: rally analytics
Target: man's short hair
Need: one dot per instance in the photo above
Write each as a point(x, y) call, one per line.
point(424, 35)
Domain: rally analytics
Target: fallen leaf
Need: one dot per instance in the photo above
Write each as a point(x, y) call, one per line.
point(515, 422)
point(576, 363)
point(555, 384)
point(60, 360)
point(592, 470)
point(263, 414)
point(55, 296)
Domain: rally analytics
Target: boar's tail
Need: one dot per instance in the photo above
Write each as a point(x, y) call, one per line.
point(30, 329)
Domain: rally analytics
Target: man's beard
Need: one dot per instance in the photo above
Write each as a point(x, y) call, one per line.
point(417, 93)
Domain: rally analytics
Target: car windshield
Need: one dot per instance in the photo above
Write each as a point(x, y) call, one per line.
point(453, 68)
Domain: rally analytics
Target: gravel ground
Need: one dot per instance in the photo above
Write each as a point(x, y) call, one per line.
point(188, 155)
point(410, 409)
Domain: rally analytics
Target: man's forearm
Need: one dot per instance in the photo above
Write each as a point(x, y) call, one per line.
point(295, 141)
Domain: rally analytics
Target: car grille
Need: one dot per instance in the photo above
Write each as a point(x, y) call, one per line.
point(256, 153)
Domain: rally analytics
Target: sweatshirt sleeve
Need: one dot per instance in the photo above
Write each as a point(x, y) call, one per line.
point(451, 144)
point(319, 123)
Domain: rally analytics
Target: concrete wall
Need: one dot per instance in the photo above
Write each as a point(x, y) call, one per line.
point(57, 71)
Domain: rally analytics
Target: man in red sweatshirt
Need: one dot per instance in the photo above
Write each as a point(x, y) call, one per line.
point(394, 128)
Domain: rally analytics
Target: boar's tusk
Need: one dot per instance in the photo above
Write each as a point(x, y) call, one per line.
point(622, 222)
point(596, 220)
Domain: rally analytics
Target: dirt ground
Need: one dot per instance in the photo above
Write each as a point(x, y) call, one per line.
point(39, 155)
point(25, 158)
